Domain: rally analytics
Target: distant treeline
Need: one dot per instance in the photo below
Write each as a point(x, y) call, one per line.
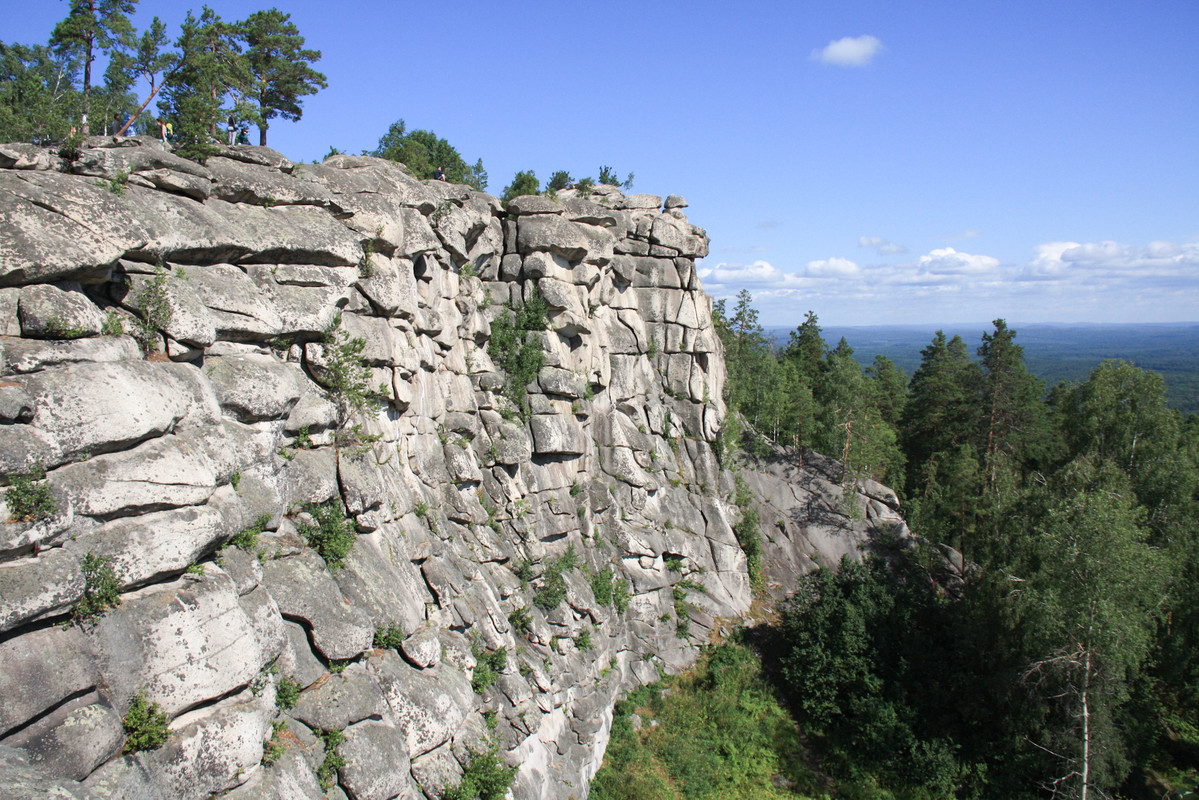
point(1054, 353)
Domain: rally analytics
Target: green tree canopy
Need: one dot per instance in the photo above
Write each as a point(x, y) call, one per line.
point(423, 152)
point(524, 182)
point(279, 69)
point(93, 25)
point(37, 91)
point(1095, 588)
point(211, 73)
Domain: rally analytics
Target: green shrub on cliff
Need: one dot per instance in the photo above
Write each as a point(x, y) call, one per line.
point(344, 374)
point(29, 498)
point(333, 535)
point(516, 349)
point(424, 152)
point(486, 777)
point(524, 182)
point(102, 589)
point(145, 725)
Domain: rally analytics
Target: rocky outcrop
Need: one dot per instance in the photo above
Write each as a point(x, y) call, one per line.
point(228, 371)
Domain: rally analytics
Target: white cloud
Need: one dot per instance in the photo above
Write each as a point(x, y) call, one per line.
point(759, 273)
point(851, 51)
point(1064, 281)
point(881, 245)
point(947, 261)
point(833, 268)
point(1112, 261)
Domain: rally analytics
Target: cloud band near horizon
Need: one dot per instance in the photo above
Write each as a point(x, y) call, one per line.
point(1063, 282)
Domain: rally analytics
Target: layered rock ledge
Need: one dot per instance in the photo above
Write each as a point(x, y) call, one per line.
point(159, 451)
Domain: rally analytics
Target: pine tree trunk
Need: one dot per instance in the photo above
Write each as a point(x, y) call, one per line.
point(1086, 725)
point(87, 77)
point(133, 118)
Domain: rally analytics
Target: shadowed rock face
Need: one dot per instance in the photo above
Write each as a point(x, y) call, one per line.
point(462, 519)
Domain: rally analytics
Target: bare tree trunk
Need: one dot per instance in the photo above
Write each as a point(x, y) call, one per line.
point(87, 80)
point(1086, 724)
point(133, 118)
point(262, 135)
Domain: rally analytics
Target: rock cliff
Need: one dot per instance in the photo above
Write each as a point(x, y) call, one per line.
point(232, 373)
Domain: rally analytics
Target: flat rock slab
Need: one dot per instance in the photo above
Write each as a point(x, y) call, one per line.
point(41, 669)
point(341, 700)
point(209, 754)
point(171, 471)
point(428, 706)
point(24, 781)
point(252, 388)
point(151, 640)
point(32, 587)
point(305, 591)
point(85, 409)
point(74, 739)
point(377, 764)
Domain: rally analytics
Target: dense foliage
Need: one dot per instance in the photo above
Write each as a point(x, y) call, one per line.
point(516, 347)
point(217, 75)
point(1062, 660)
point(717, 732)
point(424, 153)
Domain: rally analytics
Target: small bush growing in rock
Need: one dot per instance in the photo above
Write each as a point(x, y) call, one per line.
point(583, 640)
point(553, 586)
point(113, 325)
point(102, 589)
point(326, 773)
point(620, 596)
point(29, 498)
point(117, 184)
point(515, 349)
point(486, 777)
point(154, 310)
point(366, 267)
point(521, 621)
point(601, 586)
point(303, 439)
point(58, 328)
point(287, 692)
point(524, 571)
point(488, 667)
point(747, 531)
point(346, 377)
point(673, 562)
point(145, 725)
point(389, 637)
point(332, 536)
point(247, 539)
point(275, 746)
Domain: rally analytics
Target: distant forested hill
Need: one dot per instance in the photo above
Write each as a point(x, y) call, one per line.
point(1052, 352)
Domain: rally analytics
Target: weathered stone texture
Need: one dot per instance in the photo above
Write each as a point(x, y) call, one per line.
point(195, 472)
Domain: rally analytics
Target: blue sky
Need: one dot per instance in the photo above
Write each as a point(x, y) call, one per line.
point(902, 162)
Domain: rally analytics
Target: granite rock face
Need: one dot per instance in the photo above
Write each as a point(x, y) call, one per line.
point(270, 426)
